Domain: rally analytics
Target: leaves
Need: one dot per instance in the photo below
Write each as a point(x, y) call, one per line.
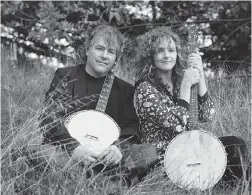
point(116, 15)
point(59, 18)
point(66, 26)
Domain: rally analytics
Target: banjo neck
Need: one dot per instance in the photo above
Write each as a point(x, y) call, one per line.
point(105, 92)
point(193, 110)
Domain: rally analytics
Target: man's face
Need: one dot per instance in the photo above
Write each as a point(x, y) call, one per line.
point(101, 57)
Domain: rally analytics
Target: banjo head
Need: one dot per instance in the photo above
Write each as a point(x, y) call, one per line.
point(195, 159)
point(96, 131)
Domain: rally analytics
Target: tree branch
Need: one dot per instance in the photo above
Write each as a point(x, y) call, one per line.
point(174, 24)
point(235, 31)
point(25, 19)
point(30, 18)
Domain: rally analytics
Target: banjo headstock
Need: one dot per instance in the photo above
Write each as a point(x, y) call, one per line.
point(192, 37)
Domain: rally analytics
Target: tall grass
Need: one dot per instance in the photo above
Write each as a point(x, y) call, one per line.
point(22, 97)
point(232, 97)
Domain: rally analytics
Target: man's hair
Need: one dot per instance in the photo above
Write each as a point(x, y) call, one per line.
point(146, 48)
point(113, 37)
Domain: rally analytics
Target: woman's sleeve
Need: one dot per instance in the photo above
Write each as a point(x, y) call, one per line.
point(149, 105)
point(206, 108)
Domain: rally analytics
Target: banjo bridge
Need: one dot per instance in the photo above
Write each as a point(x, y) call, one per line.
point(91, 137)
point(193, 164)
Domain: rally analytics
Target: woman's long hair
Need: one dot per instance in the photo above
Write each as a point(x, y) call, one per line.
point(146, 48)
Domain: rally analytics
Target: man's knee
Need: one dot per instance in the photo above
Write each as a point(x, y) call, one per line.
point(52, 153)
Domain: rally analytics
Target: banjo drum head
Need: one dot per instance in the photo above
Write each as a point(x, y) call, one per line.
point(195, 159)
point(95, 131)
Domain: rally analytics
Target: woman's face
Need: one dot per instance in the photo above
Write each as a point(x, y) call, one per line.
point(166, 55)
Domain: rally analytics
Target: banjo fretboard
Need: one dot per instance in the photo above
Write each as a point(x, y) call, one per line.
point(105, 92)
point(193, 111)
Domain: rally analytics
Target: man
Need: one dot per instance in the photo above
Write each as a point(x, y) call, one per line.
point(78, 88)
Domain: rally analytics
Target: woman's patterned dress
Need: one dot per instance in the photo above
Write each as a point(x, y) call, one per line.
point(162, 115)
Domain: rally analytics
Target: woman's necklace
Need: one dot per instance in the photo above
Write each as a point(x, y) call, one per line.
point(169, 88)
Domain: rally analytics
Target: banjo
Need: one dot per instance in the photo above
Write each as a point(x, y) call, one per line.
point(195, 159)
point(94, 129)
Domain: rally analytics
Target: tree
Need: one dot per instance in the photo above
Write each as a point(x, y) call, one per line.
point(55, 26)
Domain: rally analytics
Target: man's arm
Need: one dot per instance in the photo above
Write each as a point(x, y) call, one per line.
point(129, 122)
point(57, 101)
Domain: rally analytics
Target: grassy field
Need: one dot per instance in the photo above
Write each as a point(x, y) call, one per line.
point(21, 99)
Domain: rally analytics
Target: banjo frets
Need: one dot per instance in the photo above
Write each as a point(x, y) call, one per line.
point(105, 92)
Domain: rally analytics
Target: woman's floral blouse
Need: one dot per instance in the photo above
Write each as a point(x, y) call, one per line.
point(162, 115)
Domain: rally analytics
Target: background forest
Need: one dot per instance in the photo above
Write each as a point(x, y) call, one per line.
point(58, 28)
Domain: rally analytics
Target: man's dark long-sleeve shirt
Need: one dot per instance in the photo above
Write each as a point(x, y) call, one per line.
point(73, 89)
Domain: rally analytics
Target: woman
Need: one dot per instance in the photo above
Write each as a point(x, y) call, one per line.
point(162, 94)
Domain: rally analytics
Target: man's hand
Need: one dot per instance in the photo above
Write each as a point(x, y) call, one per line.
point(111, 156)
point(84, 155)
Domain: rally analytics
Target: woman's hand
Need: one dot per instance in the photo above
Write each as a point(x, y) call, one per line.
point(191, 77)
point(195, 61)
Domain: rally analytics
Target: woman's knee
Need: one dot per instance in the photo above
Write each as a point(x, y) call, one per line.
point(151, 153)
point(145, 154)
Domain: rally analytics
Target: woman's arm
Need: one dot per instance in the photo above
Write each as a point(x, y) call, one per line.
point(206, 107)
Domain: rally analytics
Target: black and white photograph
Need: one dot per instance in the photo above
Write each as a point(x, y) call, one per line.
point(126, 97)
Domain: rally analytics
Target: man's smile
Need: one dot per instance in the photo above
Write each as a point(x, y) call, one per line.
point(103, 63)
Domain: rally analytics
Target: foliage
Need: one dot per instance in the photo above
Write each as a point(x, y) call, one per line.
point(56, 26)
